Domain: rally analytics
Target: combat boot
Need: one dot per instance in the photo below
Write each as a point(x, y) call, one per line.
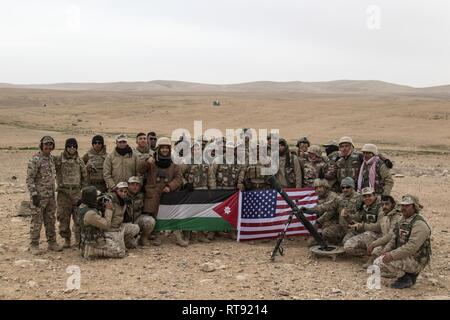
point(403, 282)
point(144, 239)
point(413, 277)
point(157, 239)
point(180, 241)
point(210, 236)
point(201, 237)
point(233, 234)
point(54, 246)
point(67, 243)
point(34, 249)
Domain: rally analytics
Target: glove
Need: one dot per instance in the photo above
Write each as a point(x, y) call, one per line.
point(36, 200)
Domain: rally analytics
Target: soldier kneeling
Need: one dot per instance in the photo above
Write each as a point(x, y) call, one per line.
point(94, 224)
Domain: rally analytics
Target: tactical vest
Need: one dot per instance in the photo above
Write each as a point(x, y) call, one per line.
point(254, 179)
point(70, 172)
point(227, 175)
point(45, 177)
point(134, 210)
point(311, 171)
point(348, 167)
point(403, 232)
point(370, 215)
point(197, 174)
point(96, 160)
point(88, 233)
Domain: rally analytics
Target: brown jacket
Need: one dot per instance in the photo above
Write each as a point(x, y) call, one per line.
point(117, 168)
point(157, 179)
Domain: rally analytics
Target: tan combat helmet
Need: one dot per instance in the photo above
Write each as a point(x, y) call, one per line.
point(321, 183)
point(346, 139)
point(315, 149)
point(163, 141)
point(369, 147)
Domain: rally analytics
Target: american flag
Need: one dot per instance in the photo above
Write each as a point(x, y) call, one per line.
point(264, 213)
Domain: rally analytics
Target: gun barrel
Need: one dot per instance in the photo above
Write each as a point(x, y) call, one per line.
point(312, 230)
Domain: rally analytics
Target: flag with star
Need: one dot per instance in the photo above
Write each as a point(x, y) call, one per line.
point(201, 210)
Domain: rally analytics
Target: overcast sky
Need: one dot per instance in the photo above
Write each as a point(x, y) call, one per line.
point(225, 41)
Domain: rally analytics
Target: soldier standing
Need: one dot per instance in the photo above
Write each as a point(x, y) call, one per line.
point(142, 147)
point(289, 172)
point(94, 159)
point(71, 176)
point(313, 167)
point(41, 185)
point(151, 139)
point(409, 250)
point(302, 147)
point(373, 172)
point(162, 175)
point(96, 241)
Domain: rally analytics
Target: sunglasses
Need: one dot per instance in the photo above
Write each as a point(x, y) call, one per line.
point(122, 191)
point(152, 139)
point(346, 187)
point(48, 144)
point(71, 147)
point(98, 142)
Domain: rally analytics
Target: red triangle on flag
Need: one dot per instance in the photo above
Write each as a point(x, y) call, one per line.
point(229, 209)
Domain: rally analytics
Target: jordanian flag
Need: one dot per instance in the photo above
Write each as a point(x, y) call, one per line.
point(201, 210)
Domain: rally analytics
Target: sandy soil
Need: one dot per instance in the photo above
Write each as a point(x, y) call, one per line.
point(412, 131)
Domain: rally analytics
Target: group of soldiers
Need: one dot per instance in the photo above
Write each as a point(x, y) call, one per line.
point(113, 198)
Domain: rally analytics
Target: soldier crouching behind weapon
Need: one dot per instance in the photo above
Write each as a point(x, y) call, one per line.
point(95, 220)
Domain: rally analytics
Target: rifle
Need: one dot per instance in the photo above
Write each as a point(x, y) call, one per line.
point(298, 212)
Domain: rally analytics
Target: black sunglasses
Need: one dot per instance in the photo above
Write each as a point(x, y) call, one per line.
point(97, 142)
point(346, 187)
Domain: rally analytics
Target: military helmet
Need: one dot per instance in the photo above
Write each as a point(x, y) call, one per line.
point(346, 139)
point(331, 143)
point(369, 147)
point(320, 183)
point(348, 181)
point(163, 141)
point(89, 196)
point(367, 190)
point(303, 140)
point(315, 149)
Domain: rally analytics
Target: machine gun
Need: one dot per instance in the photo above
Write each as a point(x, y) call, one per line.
point(299, 214)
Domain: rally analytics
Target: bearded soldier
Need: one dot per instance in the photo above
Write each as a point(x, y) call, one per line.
point(96, 241)
point(94, 159)
point(72, 177)
point(289, 172)
point(41, 174)
point(409, 250)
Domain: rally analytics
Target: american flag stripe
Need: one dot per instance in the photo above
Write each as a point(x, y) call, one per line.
point(264, 213)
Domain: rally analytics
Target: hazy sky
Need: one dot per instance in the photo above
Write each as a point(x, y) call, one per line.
point(225, 41)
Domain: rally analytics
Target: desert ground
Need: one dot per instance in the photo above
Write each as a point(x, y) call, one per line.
point(411, 128)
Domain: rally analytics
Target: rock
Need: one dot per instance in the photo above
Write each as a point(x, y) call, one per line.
point(445, 173)
point(67, 290)
point(207, 267)
point(434, 212)
point(206, 280)
point(241, 277)
point(335, 291)
point(24, 209)
point(163, 292)
point(216, 252)
point(399, 176)
point(23, 263)
point(283, 293)
point(42, 261)
point(222, 267)
point(31, 284)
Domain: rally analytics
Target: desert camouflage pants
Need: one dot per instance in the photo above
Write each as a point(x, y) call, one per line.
point(131, 233)
point(146, 223)
point(67, 210)
point(333, 233)
point(112, 245)
point(398, 268)
point(357, 245)
point(45, 213)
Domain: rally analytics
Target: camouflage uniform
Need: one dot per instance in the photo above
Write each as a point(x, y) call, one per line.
point(250, 176)
point(355, 242)
point(94, 166)
point(195, 175)
point(130, 230)
point(41, 181)
point(96, 241)
point(334, 225)
point(71, 177)
point(223, 176)
point(409, 246)
point(383, 180)
point(143, 153)
point(312, 170)
point(289, 176)
point(134, 214)
point(340, 167)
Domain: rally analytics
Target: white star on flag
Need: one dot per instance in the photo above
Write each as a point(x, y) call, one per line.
point(227, 210)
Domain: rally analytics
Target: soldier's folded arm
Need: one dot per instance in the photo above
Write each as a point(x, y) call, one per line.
point(419, 234)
